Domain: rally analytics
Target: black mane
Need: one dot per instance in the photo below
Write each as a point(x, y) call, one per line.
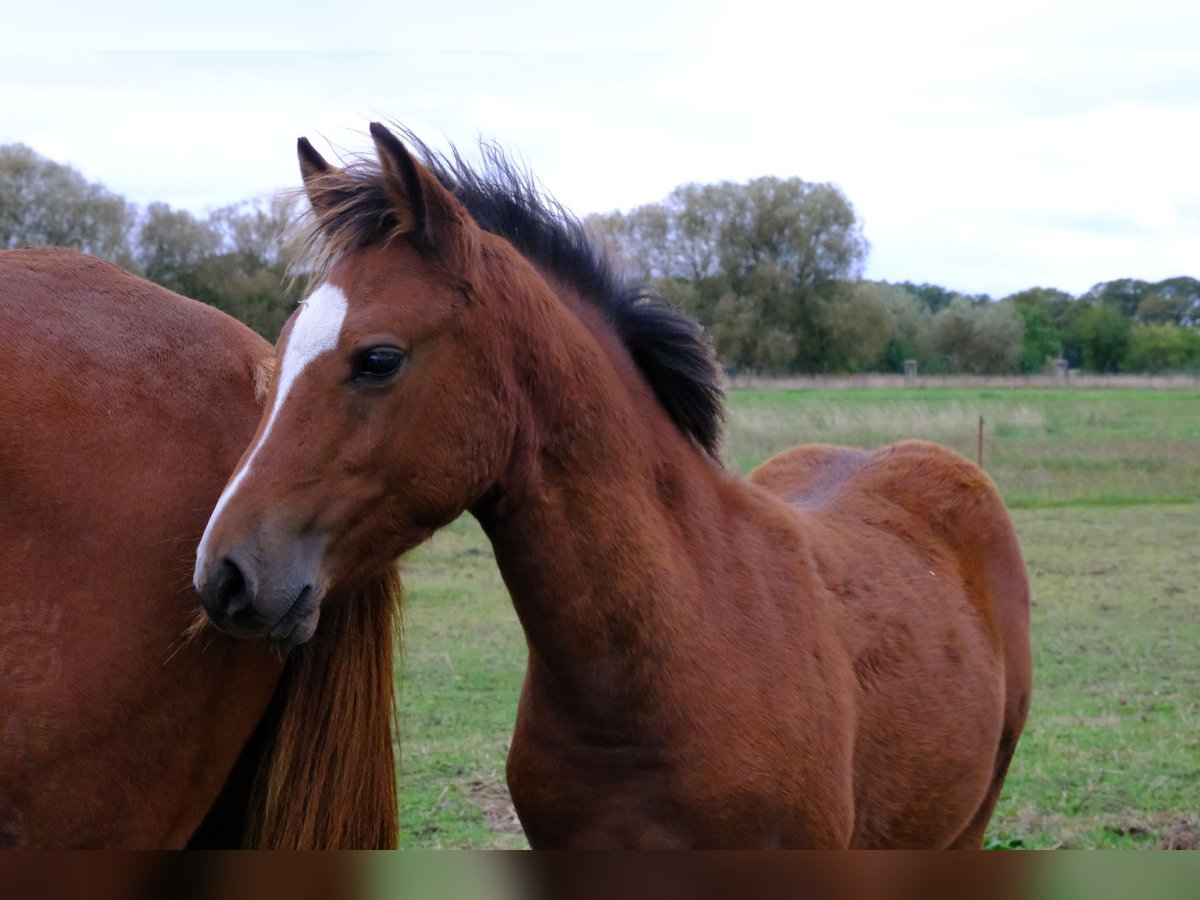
point(669, 348)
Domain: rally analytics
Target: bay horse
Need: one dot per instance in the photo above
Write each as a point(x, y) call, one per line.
point(123, 409)
point(832, 653)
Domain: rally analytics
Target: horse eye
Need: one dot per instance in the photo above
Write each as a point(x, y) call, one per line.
point(376, 363)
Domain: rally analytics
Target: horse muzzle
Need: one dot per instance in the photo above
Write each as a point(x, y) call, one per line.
point(279, 601)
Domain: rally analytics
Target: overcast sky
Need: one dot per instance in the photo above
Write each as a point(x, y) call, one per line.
point(1042, 144)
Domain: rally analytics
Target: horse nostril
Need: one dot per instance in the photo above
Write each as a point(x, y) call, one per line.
point(229, 589)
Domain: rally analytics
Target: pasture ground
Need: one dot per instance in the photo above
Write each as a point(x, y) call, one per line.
point(1105, 491)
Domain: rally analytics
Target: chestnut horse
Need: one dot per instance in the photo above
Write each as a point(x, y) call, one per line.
point(123, 409)
point(834, 653)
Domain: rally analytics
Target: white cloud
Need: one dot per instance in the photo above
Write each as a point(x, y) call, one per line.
point(972, 164)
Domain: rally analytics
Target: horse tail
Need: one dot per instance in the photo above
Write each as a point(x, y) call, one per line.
point(327, 780)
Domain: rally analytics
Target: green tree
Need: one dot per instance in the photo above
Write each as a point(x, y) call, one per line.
point(1163, 348)
point(1063, 312)
point(1173, 301)
point(1124, 294)
point(857, 325)
point(934, 297)
point(1042, 343)
point(735, 327)
point(234, 259)
point(1103, 336)
point(45, 203)
point(256, 230)
point(251, 269)
point(762, 262)
point(983, 339)
point(172, 247)
point(1043, 339)
point(909, 321)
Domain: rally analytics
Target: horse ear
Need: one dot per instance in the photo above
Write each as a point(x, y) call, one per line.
point(402, 180)
point(316, 172)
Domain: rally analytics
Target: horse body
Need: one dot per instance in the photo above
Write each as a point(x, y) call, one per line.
point(810, 659)
point(122, 409)
point(834, 653)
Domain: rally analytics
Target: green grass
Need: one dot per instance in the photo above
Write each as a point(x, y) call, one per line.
point(1105, 487)
point(464, 659)
point(1111, 754)
point(1042, 447)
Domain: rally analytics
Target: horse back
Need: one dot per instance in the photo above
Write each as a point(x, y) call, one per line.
point(928, 498)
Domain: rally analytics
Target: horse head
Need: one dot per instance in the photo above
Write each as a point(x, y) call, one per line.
point(383, 422)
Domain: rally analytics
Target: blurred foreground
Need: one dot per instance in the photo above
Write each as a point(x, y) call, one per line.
point(578, 876)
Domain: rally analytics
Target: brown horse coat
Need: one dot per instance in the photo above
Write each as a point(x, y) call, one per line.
point(832, 654)
point(123, 408)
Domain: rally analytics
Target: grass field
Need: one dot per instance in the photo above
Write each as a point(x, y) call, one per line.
point(1105, 492)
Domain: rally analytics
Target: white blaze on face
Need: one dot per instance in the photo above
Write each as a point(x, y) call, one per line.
point(316, 330)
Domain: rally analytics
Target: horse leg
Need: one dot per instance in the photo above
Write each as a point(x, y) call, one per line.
point(971, 837)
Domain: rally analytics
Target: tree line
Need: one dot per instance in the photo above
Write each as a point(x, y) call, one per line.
point(771, 267)
point(232, 258)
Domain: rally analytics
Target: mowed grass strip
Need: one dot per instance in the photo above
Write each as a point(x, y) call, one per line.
point(1105, 485)
point(1042, 447)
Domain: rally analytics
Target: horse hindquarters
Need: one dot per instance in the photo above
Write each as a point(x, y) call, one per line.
point(964, 513)
point(1006, 584)
point(915, 549)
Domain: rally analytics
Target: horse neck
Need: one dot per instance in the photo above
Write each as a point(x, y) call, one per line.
point(600, 525)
